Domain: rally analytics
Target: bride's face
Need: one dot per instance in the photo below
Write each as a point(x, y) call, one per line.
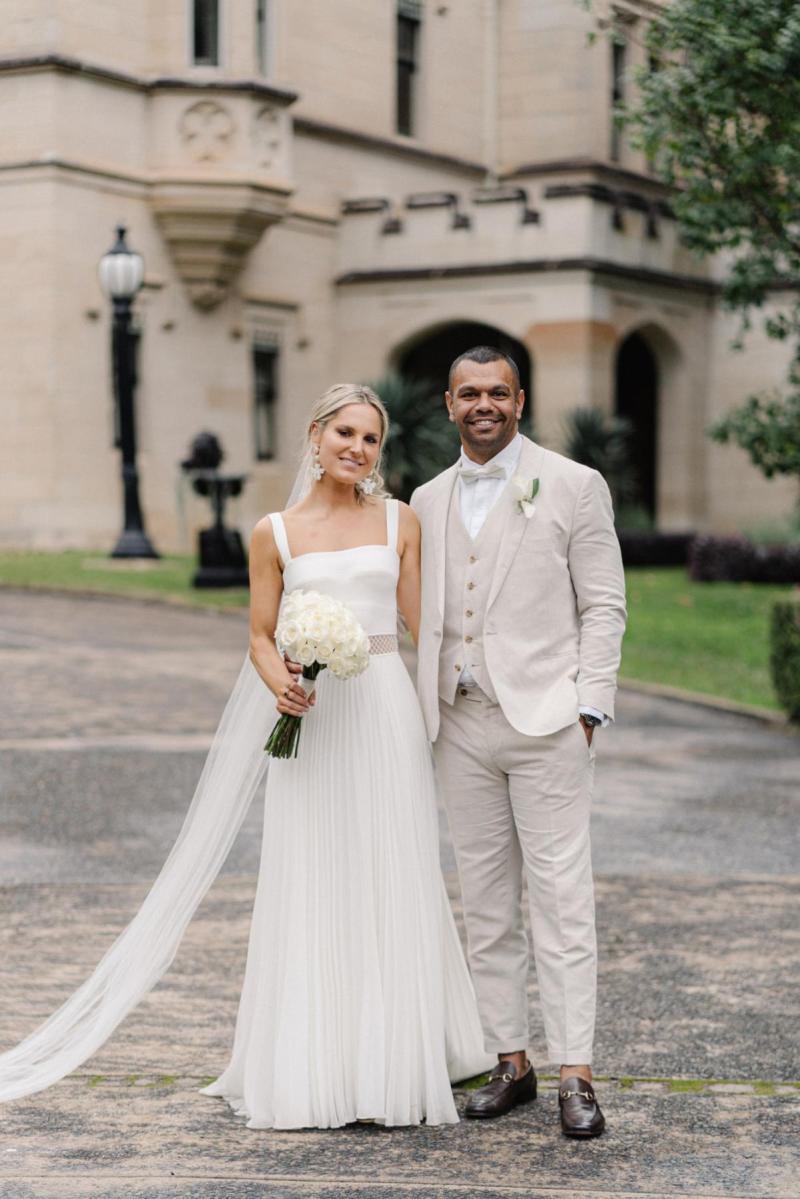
point(350, 443)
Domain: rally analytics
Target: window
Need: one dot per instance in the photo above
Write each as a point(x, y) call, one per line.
point(653, 67)
point(408, 23)
point(265, 395)
point(619, 54)
point(205, 33)
point(263, 48)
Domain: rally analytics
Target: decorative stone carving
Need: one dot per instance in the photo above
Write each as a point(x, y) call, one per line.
point(211, 228)
point(206, 128)
point(210, 193)
point(267, 135)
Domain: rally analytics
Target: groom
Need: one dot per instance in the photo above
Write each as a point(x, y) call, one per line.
point(523, 611)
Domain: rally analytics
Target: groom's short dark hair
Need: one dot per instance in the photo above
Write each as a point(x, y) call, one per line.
point(484, 354)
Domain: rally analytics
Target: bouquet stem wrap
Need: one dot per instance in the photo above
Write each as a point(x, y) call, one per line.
point(285, 737)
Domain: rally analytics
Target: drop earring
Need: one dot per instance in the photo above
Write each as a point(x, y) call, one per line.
point(367, 486)
point(317, 470)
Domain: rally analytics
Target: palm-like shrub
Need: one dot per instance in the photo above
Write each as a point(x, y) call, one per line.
point(421, 441)
point(595, 439)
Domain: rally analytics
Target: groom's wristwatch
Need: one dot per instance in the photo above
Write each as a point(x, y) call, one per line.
point(590, 721)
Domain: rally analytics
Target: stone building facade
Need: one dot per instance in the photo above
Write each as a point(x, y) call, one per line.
point(322, 191)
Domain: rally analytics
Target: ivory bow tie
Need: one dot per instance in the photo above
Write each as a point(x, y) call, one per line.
point(470, 473)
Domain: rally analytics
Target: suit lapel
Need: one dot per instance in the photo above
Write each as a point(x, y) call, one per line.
point(440, 508)
point(515, 525)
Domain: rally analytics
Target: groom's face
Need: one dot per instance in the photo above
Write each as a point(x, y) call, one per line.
point(485, 407)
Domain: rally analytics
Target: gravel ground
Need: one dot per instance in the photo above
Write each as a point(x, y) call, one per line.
point(107, 707)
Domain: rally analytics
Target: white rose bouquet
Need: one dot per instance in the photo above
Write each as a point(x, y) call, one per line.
point(316, 631)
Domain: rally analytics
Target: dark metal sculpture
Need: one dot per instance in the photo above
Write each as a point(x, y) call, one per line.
point(222, 559)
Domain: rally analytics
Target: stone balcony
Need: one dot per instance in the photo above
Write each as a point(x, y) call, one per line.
point(220, 176)
point(211, 157)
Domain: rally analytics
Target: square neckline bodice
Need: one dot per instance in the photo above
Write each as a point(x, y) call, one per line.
point(363, 577)
point(392, 514)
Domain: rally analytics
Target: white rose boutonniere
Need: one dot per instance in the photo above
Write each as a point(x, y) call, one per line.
point(526, 491)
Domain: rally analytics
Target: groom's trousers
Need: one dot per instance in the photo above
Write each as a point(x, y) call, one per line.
point(521, 805)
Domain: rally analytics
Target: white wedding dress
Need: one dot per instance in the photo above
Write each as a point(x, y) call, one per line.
point(356, 1001)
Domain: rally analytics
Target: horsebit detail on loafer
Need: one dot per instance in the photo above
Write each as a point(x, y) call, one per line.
point(583, 1094)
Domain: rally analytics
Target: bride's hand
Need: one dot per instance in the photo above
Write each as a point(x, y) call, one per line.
point(292, 698)
point(296, 669)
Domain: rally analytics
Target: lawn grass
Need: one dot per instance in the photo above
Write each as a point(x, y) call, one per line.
point(706, 637)
point(76, 570)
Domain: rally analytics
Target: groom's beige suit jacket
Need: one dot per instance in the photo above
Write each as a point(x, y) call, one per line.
point(554, 615)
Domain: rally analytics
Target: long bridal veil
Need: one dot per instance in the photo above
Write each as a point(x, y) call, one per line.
point(234, 770)
point(232, 773)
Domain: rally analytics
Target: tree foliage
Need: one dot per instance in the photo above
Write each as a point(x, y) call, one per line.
point(717, 113)
point(768, 429)
point(421, 441)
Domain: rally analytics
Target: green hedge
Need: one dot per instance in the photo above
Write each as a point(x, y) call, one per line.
point(784, 656)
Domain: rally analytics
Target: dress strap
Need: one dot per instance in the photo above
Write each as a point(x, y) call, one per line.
point(392, 523)
point(281, 540)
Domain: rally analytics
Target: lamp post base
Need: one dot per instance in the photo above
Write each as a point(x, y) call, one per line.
point(134, 543)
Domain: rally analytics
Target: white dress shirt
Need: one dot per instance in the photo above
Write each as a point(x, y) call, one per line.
point(476, 497)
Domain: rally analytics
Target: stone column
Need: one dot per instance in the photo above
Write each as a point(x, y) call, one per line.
point(573, 366)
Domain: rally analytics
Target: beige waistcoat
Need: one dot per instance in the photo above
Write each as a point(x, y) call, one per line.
point(469, 569)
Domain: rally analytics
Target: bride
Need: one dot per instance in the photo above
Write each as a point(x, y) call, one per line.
point(356, 1002)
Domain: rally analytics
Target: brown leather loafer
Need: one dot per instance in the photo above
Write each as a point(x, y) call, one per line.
point(503, 1092)
point(580, 1114)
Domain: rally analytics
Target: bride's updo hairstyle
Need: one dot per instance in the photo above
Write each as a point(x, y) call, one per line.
point(325, 409)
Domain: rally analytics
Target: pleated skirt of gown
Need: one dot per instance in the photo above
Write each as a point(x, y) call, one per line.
point(356, 1002)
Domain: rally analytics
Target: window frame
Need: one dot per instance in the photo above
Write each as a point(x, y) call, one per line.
point(265, 59)
point(191, 13)
point(269, 346)
point(619, 67)
point(405, 15)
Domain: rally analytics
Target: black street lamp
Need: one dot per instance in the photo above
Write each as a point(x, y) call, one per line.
point(121, 273)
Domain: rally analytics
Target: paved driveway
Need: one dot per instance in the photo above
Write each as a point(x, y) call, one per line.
point(107, 707)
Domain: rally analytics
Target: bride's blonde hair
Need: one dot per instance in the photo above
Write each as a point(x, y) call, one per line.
point(326, 407)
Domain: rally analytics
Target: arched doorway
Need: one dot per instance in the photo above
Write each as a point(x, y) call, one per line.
point(636, 390)
point(429, 356)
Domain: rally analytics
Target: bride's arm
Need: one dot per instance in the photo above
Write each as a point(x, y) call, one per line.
point(266, 589)
point(408, 584)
